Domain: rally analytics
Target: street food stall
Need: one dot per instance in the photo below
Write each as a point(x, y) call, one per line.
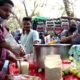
point(49, 62)
point(42, 50)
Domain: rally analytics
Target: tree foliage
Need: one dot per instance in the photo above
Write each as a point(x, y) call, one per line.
point(32, 8)
point(15, 20)
point(12, 23)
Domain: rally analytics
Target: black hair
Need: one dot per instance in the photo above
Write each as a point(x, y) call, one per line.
point(27, 19)
point(3, 2)
point(72, 29)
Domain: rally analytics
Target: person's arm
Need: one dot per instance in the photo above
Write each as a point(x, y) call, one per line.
point(66, 39)
point(7, 46)
point(11, 57)
point(20, 51)
point(69, 38)
point(36, 39)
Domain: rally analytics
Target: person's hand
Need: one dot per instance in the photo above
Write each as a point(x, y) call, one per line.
point(11, 56)
point(26, 57)
point(29, 57)
point(21, 52)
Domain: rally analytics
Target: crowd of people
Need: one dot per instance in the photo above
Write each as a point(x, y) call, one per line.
point(28, 37)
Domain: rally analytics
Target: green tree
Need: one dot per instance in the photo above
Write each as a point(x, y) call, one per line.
point(18, 12)
point(12, 23)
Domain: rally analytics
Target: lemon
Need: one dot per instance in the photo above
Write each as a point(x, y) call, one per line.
point(53, 42)
point(71, 58)
point(73, 70)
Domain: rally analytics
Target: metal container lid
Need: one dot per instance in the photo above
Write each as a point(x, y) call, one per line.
point(45, 45)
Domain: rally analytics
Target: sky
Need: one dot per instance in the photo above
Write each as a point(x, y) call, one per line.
point(47, 11)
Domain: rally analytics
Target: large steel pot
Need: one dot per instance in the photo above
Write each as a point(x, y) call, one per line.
point(41, 50)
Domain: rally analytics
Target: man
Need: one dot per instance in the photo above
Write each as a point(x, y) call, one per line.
point(77, 38)
point(29, 36)
point(5, 10)
point(67, 36)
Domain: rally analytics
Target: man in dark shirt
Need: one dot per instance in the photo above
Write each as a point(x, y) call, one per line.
point(76, 40)
point(68, 35)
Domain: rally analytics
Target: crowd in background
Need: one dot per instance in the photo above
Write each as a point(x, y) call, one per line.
point(70, 36)
point(20, 42)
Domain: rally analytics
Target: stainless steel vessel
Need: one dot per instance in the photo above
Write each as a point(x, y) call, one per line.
point(41, 50)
